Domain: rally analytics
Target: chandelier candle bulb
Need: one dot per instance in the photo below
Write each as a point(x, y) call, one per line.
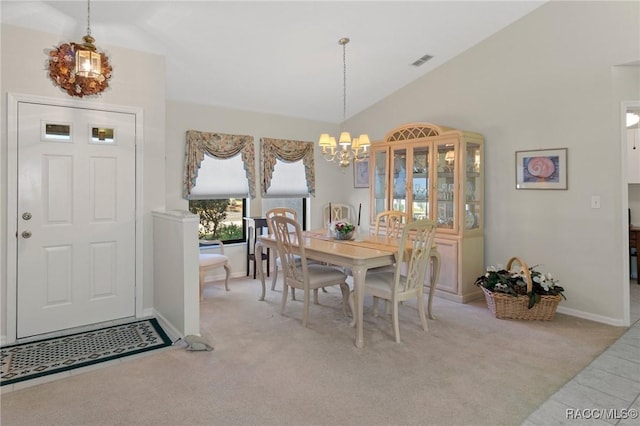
point(355, 149)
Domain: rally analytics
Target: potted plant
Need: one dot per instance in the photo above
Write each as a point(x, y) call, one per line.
point(520, 292)
point(343, 229)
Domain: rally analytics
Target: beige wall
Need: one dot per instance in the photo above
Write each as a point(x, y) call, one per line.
point(138, 81)
point(544, 82)
point(332, 183)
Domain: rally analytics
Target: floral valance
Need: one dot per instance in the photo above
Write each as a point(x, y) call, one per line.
point(288, 151)
point(218, 145)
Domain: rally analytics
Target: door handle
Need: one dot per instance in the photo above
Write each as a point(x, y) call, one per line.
point(26, 215)
point(26, 234)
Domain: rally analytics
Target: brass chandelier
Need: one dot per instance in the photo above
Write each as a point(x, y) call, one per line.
point(355, 149)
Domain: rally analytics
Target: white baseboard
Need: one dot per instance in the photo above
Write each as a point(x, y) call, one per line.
point(149, 312)
point(220, 277)
point(618, 322)
point(171, 330)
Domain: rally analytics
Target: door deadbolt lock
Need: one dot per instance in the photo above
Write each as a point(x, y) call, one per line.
point(26, 234)
point(26, 215)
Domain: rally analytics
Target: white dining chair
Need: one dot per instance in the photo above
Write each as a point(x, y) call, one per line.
point(389, 223)
point(211, 261)
point(301, 274)
point(395, 286)
point(336, 212)
point(279, 211)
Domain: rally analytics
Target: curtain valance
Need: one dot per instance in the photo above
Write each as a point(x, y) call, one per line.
point(287, 151)
point(218, 145)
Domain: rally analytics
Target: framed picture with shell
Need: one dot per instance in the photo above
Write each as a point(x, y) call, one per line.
point(541, 169)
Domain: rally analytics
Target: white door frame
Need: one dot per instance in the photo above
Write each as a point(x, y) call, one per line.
point(626, 299)
point(13, 99)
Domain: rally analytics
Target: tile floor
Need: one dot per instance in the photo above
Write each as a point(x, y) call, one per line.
point(607, 391)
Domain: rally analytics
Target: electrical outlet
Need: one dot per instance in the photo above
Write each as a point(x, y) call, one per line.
point(595, 201)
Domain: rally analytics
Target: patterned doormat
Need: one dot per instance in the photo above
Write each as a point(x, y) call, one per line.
point(36, 359)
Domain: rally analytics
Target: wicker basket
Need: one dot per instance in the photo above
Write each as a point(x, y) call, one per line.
point(506, 306)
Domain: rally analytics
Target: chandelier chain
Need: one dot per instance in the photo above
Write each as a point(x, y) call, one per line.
point(88, 17)
point(344, 82)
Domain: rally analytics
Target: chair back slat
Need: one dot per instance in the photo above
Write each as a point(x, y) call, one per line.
point(280, 211)
point(418, 237)
point(392, 220)
point(338, 212)
point(285, 240)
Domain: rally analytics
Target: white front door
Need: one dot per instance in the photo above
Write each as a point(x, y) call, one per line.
point(76, 217)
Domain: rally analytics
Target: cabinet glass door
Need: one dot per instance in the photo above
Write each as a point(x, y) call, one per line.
point(379, 166)
point(399, 179)
point(446, 186)
point(420, 184)
point(473, 186)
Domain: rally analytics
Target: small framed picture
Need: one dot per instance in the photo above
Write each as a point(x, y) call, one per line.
point(361, 173)
point(541, 169)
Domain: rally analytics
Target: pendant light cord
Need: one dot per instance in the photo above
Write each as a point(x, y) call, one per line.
point(88, 17)
point(344, 81)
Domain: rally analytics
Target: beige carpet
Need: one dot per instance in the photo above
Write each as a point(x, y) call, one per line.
point(266, 369)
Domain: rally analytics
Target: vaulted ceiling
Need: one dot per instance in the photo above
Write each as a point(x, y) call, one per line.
point(279, 57)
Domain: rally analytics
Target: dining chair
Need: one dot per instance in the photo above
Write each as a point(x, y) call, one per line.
point(398, 286)
point(211, 261)
point(280, 211)
point(301, 274)
point(389, 223)
point(338, 212)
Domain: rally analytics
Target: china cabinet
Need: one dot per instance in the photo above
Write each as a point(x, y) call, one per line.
point(434, 172)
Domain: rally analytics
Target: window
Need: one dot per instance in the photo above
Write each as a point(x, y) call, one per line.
point(297, 204)
point(218, 179)
point(288, 176)
point(221, 219)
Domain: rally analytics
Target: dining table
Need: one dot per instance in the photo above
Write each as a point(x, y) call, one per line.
point(359, 255)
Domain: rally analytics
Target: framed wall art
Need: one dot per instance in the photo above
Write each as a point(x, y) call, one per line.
point(541, 169)
point(361, 173)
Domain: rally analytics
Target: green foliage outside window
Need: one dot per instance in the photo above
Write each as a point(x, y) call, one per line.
point(213, 214)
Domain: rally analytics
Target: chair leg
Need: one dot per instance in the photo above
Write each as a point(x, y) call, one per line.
point(227, 269)
point(315, 296)
point(202, 274)
point(275, 277)
point(345, 299)
point(423, 318)
point(353, 308)
point(396, 322)
point(435, 276)
point(305, 315)
point(285, 288)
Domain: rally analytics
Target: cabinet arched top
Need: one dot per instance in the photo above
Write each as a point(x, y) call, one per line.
point(414, 131)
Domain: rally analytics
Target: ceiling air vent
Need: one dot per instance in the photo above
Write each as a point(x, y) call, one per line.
point(422, 60)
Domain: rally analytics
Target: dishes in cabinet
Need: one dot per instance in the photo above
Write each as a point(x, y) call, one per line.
point(469, 219)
